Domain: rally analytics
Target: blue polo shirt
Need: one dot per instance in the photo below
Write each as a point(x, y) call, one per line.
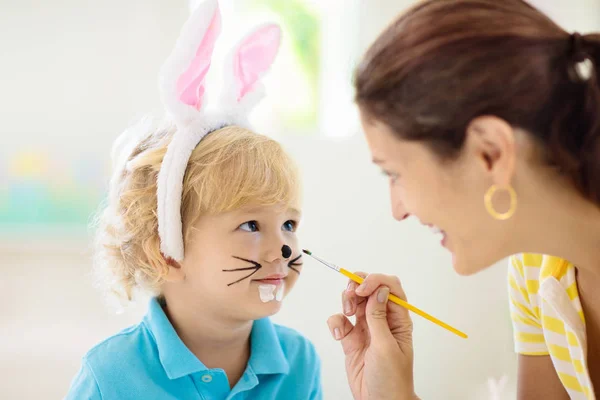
point(149, 361)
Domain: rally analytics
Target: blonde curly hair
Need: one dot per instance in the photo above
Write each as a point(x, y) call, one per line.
point(230, 168)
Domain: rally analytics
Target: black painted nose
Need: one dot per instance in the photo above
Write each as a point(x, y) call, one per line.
point(286, 251)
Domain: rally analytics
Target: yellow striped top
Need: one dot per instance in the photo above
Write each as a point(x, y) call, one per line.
point(548, 318)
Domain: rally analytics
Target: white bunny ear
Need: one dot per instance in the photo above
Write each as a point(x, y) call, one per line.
point(182, 85)
point(169, 189)
point(193, 4)
point(122, 149)
point(182, 77)
point(248, 63)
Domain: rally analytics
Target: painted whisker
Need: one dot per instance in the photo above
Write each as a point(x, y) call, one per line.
point(254, 269)
point(293, 263)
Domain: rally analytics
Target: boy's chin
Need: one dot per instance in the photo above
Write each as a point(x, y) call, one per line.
point(264, 310)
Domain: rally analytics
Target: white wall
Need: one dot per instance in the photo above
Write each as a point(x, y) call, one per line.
point(70, 78)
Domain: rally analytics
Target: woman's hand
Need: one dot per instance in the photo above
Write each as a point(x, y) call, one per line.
point(378, 347)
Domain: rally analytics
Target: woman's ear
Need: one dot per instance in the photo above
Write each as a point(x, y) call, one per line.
point(492, 141)
point(175, 272)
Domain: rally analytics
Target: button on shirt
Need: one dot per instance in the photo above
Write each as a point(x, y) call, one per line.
point(149, 361)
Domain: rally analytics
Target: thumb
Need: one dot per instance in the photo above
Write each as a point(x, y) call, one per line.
point(376, 315)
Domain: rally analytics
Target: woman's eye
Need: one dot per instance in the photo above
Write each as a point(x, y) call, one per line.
point(290, 226)
point(391, 176)
point(250, 226)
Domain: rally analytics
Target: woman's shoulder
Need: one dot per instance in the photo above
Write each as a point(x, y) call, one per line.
point(532, 260)
point(524, 269)
point(534, 266)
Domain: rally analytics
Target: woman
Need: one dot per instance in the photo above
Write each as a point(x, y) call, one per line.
point(485, 115)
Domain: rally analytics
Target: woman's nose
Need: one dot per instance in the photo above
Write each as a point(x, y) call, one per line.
point(399, 212)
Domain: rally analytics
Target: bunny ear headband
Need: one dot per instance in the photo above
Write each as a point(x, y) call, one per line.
point(182, 85)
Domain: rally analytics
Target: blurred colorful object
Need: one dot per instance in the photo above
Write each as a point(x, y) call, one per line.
point(301, 25)
point(38, 192)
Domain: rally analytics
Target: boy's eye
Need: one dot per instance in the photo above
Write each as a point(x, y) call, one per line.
point(290, 226)
point(250, 226)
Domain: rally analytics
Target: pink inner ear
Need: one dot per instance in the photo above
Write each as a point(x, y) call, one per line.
point(190, 84)
point(255, 56)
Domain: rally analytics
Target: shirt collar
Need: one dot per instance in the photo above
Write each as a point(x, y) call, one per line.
point(266, 353)
point(554, 291)
point(175, 357)
point(554, 267)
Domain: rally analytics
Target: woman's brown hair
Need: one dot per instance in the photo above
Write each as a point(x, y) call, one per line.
point(445, 62)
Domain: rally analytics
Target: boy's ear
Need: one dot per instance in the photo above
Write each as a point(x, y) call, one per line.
point(175, 273)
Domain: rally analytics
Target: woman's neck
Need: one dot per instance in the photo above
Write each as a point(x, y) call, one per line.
point(559, 221)
point(216, 341)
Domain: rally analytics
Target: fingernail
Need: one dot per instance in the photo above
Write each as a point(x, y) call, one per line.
point(383, 294)
point(347, 307)
point(337, 334)
point(362, 287)
point(349, 287)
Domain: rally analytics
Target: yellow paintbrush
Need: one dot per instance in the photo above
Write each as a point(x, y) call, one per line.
point(392, 298)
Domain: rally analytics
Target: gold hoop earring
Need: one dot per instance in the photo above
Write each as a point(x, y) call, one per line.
point(489, 206)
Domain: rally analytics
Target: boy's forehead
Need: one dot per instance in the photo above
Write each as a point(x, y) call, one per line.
point(270, 209)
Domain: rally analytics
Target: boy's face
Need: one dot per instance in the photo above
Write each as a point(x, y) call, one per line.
point(236, 264)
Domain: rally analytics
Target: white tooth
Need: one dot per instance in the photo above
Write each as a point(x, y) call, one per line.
point(439, 234)
point(435, 229)
point(280, 290)
point(266, 292)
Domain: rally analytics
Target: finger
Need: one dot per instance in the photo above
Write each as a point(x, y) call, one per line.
point(388, 322)
point(352, 337)
point(354, 284)
point(339, 326)
point(359, 308)
point(348, 303)
point(398, 316)
point(373, 281)
point(349, 298)
point(377, 318)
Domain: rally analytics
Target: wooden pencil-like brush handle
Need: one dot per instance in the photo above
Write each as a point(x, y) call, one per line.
point(397, 300)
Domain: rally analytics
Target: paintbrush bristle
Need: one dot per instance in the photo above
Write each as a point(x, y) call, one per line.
point(332, 266)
